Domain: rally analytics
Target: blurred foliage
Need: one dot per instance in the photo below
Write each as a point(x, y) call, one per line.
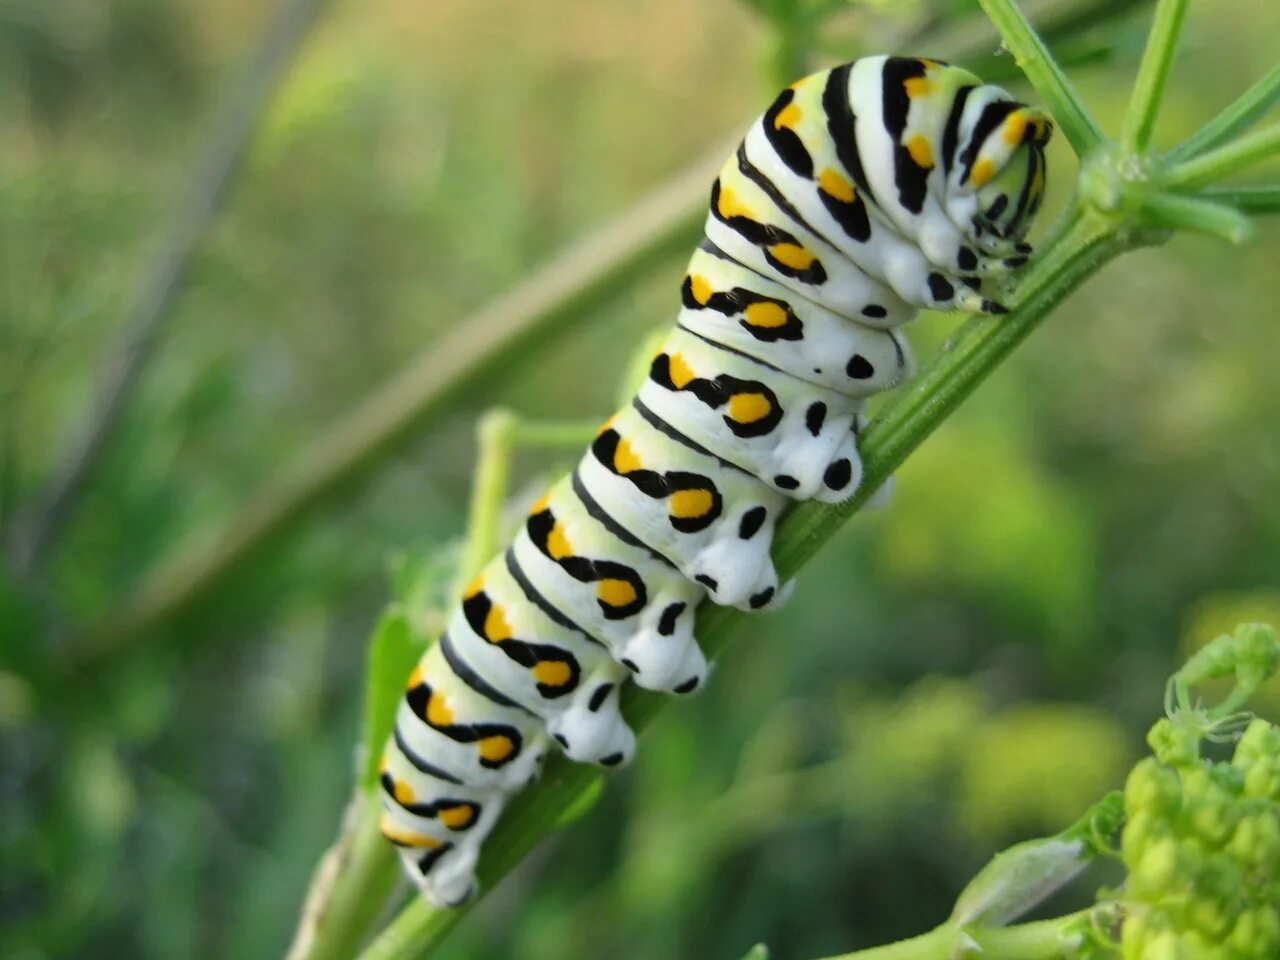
point(1112, 486)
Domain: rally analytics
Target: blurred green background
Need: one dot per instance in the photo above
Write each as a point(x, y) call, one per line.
point(969, 667)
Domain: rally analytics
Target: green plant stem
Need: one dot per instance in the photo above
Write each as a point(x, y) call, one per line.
point(1225, 160)
point(1247, 109)
point(495, 436)
point(660, 227)
point(1153, 73)
point(1177, 212)
point(556, 433)
point(351, 886)
point(1258, 200)
point(498, 434)
point(1053, 86)
point(1039, 940)
point(1083, 244)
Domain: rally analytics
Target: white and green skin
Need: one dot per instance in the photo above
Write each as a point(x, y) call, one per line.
point(863, 194)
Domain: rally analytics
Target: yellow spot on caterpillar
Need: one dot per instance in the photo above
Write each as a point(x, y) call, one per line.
point(731, 206)
point(540, 505)
point(792, 255)
point(438, 712)
point(496, 748)
point(474, 587)
point(415, 678)
point(616, 593)
point(701, 289)
point(625, 459)
point(765, 314)
point(917, 86)
point(406, 838)
point(920, 150)
point(558, 544)
point(690, 503)
point(982, 173)
point(552, 673)
point(681, 372)
point(748, 407)
point(834, 185)
point(455, 818)
point(403, 792)
point(788, 117)
point(1015, 128)
point(496, 628)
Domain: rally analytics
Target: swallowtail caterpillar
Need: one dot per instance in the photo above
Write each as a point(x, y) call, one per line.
point(863, 194)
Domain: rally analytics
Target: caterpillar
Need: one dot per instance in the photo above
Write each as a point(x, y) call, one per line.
point(862, 194)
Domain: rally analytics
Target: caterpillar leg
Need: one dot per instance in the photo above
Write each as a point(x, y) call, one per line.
point(592, 573)
point(791, 434)
point(710, 519)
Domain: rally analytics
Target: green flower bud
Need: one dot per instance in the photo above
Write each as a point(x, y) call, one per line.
point(1256, 933)
point(1210, 918)
point(1259, 739)
point(1262, 779)
point(1157, 869)
point(1174, 744)
point(1152, 787)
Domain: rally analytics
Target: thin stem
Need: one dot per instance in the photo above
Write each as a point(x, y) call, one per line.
point(555, 433)
point(1179, 212)
point(1247, 109)
point(351, 884)
point(1083, 245)
point(495, 435)
point(937, 943)
point(1039, 940)
point(1055, 89)
point(218, 162)
point(1224, 161)
point(498, 434)
point(1153, 73)
point(1258, 200)
point(662, 225)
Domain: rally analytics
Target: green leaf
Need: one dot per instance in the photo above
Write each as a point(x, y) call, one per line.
point(584, 802)
point(758, 952)
point(393, 650)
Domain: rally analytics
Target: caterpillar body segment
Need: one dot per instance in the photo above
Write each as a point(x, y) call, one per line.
point(795, 436)
point(560, 674)
point(631, 598)
point(718, 520)
point(861, 195)
point(724, 302)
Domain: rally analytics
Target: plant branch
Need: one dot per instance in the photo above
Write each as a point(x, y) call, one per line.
point(1250, 107)
point(218, 161)
point(1153, 73)
point(1225, 160)
point(1179, 212)
point(1055, 89)
point(1081, 248)
point(1261, 199)
point(1038, 940)
point(664, 223)
point(495, 435)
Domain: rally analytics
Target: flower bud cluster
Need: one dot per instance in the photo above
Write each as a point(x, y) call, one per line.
point(1202, 847)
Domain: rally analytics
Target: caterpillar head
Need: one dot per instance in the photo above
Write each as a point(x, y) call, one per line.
point(1000, 166)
